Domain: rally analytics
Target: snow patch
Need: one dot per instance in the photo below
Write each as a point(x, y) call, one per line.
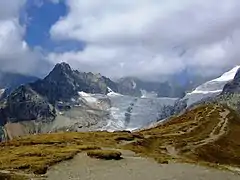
point(146, 94)
point(1, 92)
point(112, 93)
point(87, 97)
point(204, 92)
point(134, 84)
point(228, 76)
point(216, 85)
point(211, 88)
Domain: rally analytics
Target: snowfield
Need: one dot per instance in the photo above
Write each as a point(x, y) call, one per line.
point(211, 88)
point(87, 97)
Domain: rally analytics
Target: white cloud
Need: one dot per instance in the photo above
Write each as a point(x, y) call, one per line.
point(10, 8)
point(145, 38)
point(15, 55)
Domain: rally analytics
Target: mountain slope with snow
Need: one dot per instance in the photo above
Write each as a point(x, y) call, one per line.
point(1, 92)
point(211, 88)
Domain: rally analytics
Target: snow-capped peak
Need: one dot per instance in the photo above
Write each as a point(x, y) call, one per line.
point(228, 76)
point(211, 88)
point(216, 85)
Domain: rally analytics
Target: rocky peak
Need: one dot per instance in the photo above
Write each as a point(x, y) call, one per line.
point(60, 71)
point(62, 67)
point(233, 86)
point(25, 104)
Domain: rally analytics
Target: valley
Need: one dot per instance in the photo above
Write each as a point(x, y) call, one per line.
point(206, 136)
point(119, 90)
point(53, 123)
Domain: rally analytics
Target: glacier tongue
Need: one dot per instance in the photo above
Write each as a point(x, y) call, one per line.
point(131, 113)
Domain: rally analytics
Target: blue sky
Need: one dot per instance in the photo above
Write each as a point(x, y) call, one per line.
point(38, 19)
point(148, 39)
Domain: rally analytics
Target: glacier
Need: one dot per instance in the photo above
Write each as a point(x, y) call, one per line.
point(211, 88)
point(111, 112)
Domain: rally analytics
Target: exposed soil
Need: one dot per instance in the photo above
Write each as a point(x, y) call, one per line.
point(132, 167)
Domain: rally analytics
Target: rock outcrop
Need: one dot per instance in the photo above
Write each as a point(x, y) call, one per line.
point(233, 86)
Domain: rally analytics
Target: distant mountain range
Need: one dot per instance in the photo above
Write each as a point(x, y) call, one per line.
point(173, 87)
point(37, 100)
point(10, 81)
point(67, 99)
point(78, 100)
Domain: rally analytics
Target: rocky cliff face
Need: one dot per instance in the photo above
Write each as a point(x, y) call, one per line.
point(41, 100)
point(25, 104)
point(213, 88)
point(233, 86)
point(129, 86)
point(63, 83)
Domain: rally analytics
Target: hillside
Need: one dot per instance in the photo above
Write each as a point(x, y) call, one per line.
point(207, 135)
point(69, 100)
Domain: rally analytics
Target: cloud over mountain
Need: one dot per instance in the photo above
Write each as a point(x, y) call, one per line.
point(152, 37)
point(122, 38)
point(15, 54)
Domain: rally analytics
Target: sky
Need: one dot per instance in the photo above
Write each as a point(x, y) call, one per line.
point(117, 38)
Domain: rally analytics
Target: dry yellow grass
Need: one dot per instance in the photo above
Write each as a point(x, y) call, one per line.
point(37, 153)
point(226, 150)
point(195, 136)
point(105, 154)
point(5, 176)
point(187, 138)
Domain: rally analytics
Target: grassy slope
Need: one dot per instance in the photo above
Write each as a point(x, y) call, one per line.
point(183, 138)
point(197, 135)
point(226, 150)
point(36, 153)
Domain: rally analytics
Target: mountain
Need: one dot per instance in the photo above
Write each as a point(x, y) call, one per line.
point(10, 81)
point(25, 104)
point(174, 86)
point(63, 83)
point(214, 87)
point(195, 143)
point(136, 87)
point(69, 100)
point(234, 85)
point(36, 100)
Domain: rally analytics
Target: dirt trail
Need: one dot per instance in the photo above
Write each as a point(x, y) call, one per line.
point(217, 132)
point(132, 167)
point(222, 125)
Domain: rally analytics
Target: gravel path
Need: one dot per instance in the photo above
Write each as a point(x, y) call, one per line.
point(132, 168)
